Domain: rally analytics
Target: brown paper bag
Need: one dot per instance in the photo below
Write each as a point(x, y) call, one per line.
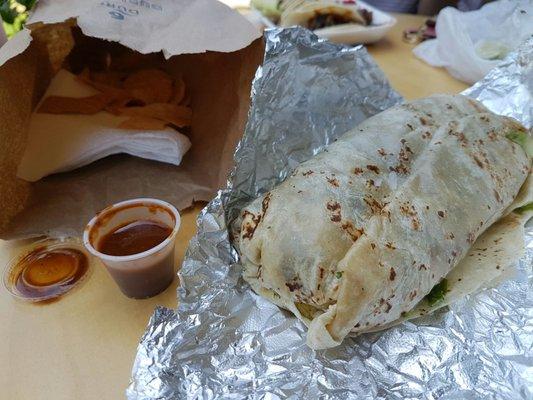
point(218, 82)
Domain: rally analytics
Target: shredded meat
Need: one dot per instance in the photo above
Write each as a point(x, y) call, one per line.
point(367, 15)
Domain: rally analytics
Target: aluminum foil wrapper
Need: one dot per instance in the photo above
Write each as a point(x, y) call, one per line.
point(225, 342)
point(508, 89)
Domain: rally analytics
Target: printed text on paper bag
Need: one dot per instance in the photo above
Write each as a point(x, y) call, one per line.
point(129, 8)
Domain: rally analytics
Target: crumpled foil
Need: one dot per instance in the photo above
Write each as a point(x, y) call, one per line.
point(508, 89)
point(225, 342)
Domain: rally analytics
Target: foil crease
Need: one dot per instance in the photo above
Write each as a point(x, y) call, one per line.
point(225, 342)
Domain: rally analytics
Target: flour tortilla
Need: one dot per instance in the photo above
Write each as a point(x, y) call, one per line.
point(360, 234)
point(490, 262)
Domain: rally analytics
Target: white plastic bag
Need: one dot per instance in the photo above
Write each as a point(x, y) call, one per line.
point(470, 44)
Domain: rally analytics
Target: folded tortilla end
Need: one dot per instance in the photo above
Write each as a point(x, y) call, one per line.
point(318, 335)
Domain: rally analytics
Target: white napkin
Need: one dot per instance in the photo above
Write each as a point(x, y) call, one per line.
point(58, 143)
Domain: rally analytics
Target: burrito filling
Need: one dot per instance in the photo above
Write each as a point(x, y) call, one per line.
point(326, 19)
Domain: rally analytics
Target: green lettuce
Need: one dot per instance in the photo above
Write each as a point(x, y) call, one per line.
point(524, 208)
point(437, 293)
point(269, 8)
point(523, 139)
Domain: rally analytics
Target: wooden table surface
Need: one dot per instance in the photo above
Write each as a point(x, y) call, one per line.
point(83, 346)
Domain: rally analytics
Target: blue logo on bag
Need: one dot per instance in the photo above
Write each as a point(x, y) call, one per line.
point(120, 14)
point(120, 11)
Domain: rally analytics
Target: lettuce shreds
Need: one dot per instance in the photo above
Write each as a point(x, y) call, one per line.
point(437, 293)
point(522, 139)
point(524, 208)
point(269, 8)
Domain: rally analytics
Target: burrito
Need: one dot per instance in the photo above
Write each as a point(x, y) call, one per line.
point(319, 14)
point(382, 225)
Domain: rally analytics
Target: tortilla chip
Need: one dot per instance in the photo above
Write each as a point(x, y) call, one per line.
point(109, 78)
point(179, 91)
point(86, 78)
point(72, 105)
point(84, 75)
point(186, 101)
point(179, 116)
point(150, 86)
point(122, 101)
point(143, 124)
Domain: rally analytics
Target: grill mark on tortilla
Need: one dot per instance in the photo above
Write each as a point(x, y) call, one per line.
point(355, 233)
point(333, 206)
point(333, 181)
point(307, 173)
point(375, 206)
point(493, 136)
point(265, 203)
point(335, 218)
point(461, 138)
point(370, 183)
point(409, 211)
point(392, 274)
point(373, 168)
point(293, 286)
point(404, 158)
point(358, 171)
point(249, 228)
point(478, 161)
point(335, 209)
point(403, 155)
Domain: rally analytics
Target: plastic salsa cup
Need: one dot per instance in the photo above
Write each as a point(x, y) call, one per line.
point(144, 274)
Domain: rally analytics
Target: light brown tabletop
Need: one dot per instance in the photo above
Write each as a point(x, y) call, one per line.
point(83, 346)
